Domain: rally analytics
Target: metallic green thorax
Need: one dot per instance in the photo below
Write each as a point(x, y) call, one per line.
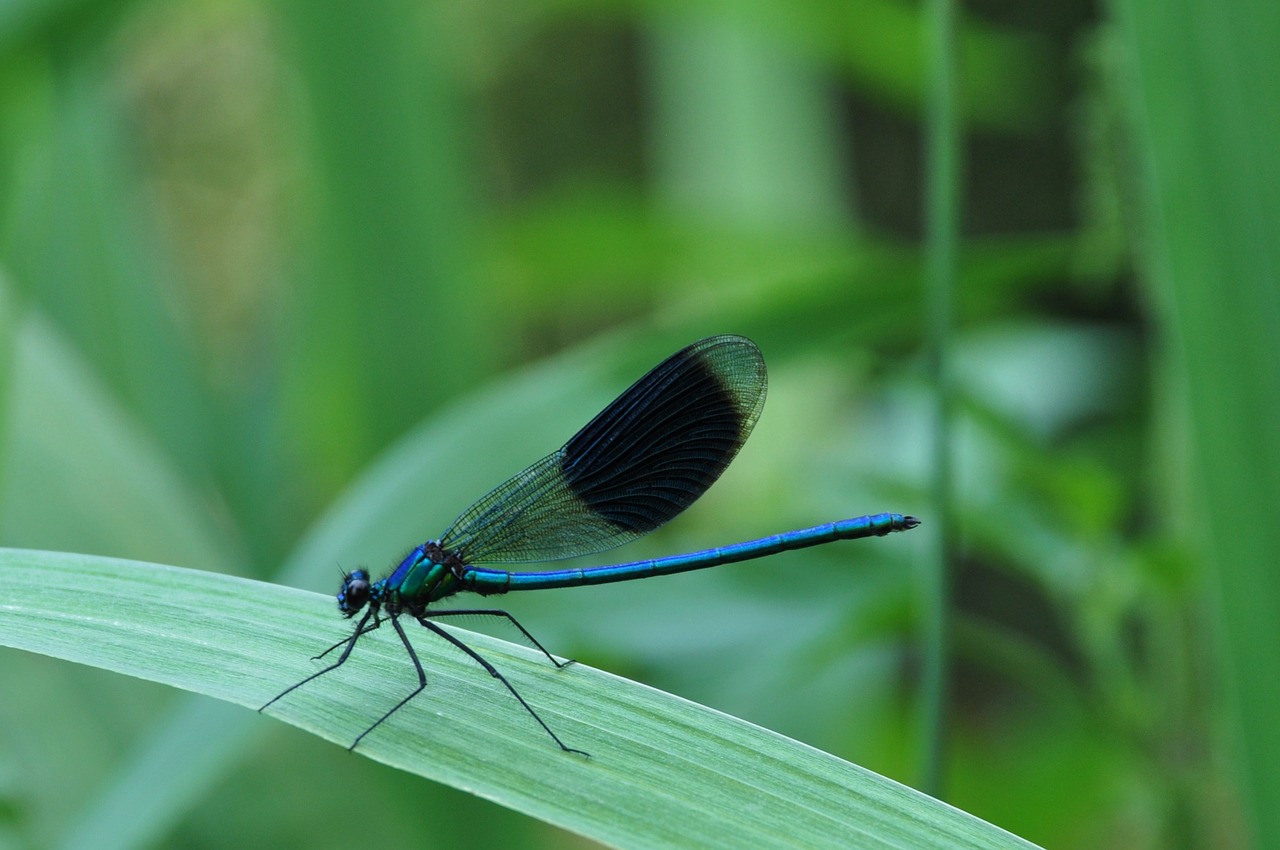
point(426, 574)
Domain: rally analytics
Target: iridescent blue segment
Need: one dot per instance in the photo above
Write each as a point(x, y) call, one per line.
point(500, 581)
point(644, 459)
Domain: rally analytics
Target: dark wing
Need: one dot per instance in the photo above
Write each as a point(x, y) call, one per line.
point(644, 459)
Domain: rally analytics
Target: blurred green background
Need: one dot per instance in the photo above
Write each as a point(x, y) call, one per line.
point(258, 257)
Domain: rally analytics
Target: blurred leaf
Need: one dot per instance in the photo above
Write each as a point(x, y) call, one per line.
point(551, 256)
point(744, 131)
point(1202, 79)
point(663, 773)
point(82, 245)
point(29, 20)
point(81, 474)
point(384, 273)
point(878, 43)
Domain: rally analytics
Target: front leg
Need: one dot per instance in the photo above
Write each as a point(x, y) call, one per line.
point(422, 681)
point(346, 653)
point(363, 630)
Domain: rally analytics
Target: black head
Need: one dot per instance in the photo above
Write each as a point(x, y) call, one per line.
point(354, 592)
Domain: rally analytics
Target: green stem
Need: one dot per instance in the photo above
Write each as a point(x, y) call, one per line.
point(942, 225)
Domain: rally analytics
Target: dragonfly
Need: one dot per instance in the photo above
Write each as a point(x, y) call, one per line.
point(639, 463)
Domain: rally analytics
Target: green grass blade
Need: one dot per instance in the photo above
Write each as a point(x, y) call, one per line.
point(664, 772)
point(1203, 78)
point(67, 441)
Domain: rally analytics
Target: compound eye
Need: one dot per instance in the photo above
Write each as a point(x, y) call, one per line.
point(354, 592)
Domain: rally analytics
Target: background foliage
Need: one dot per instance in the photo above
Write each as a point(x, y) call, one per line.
point(253, 253)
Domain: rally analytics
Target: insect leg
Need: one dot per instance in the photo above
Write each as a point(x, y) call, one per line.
point(342, 659)
point(494, 612)
point(422, 682)
point(493, 671)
